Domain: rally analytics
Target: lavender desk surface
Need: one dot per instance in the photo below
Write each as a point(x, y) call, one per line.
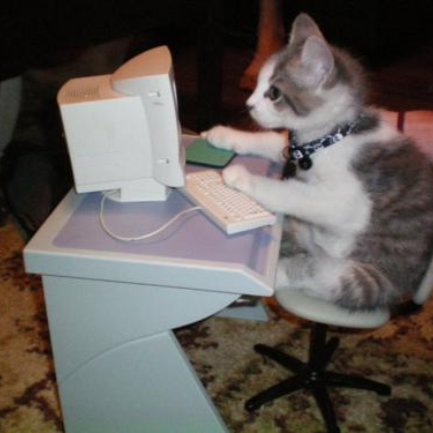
point(193, 253)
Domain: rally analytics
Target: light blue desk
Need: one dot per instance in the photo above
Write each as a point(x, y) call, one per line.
point(112, 307)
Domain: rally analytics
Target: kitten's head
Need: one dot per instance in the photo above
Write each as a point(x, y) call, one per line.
point(307, 85)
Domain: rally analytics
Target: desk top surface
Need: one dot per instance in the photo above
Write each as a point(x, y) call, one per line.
point(73, 235)
point(193, 237)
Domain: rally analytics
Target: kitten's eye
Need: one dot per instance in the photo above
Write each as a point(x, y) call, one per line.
point(273, 93)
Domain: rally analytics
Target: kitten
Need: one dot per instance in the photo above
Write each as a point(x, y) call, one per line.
point(359, 230)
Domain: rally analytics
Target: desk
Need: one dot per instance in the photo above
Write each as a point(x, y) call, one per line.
point(112, 307)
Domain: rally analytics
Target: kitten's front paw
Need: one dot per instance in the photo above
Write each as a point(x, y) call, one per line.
point(238, 177)
point(220, 136)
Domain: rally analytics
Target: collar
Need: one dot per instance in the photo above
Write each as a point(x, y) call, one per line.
point(299, 154)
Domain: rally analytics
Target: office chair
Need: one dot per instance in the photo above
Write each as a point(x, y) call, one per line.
point(313, 374)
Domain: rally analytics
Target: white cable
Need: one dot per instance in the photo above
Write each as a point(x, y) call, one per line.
point(142, 237)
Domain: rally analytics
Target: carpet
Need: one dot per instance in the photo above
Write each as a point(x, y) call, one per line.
point(220, 349)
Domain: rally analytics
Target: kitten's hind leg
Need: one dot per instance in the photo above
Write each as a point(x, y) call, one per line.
point(289, 271)
point(316, 276)
point(350, 284)
point(365, 286)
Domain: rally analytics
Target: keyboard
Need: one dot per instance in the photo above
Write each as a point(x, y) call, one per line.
point(231, 210)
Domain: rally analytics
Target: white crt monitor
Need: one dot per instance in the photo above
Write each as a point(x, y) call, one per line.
point(122, 130)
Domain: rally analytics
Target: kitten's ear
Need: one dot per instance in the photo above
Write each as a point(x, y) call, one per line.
point(302, 28)
point(317, 62)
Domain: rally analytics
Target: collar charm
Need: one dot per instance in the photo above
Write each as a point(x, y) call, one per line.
point(299, 154)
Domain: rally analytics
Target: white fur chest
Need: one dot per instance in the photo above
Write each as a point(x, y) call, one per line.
point(342, 206)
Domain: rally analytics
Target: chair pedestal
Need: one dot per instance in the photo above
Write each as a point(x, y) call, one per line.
point(312, 375)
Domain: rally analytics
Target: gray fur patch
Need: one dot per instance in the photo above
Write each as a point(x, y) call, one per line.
point(366, 288)
point(292, 96)
point(399, 238)
point(367, 122)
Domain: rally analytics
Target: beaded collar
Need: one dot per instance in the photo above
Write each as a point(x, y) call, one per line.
point(299, 154)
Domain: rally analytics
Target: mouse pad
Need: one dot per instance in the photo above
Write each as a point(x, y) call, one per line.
point(201, 152)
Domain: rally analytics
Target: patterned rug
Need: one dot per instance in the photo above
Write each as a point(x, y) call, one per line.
point(220, 349)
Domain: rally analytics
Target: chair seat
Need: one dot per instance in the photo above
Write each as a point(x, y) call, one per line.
point(318, 310)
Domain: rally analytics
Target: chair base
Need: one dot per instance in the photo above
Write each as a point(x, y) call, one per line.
point(312, 375)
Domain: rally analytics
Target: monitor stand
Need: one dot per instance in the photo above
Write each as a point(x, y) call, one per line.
point(140, 191)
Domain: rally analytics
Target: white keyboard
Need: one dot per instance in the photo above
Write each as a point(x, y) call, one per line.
point(231, 210)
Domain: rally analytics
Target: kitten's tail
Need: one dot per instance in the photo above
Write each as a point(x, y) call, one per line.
point(365, 287)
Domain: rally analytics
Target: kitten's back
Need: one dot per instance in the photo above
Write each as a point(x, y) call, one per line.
point(398, 178)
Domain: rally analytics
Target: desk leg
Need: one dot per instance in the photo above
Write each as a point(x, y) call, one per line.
point(145, 386)
point(119, 367)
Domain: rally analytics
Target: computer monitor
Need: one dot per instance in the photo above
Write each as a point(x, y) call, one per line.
point(122, 130)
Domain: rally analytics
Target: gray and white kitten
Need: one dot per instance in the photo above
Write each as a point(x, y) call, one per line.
point(362, 216)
